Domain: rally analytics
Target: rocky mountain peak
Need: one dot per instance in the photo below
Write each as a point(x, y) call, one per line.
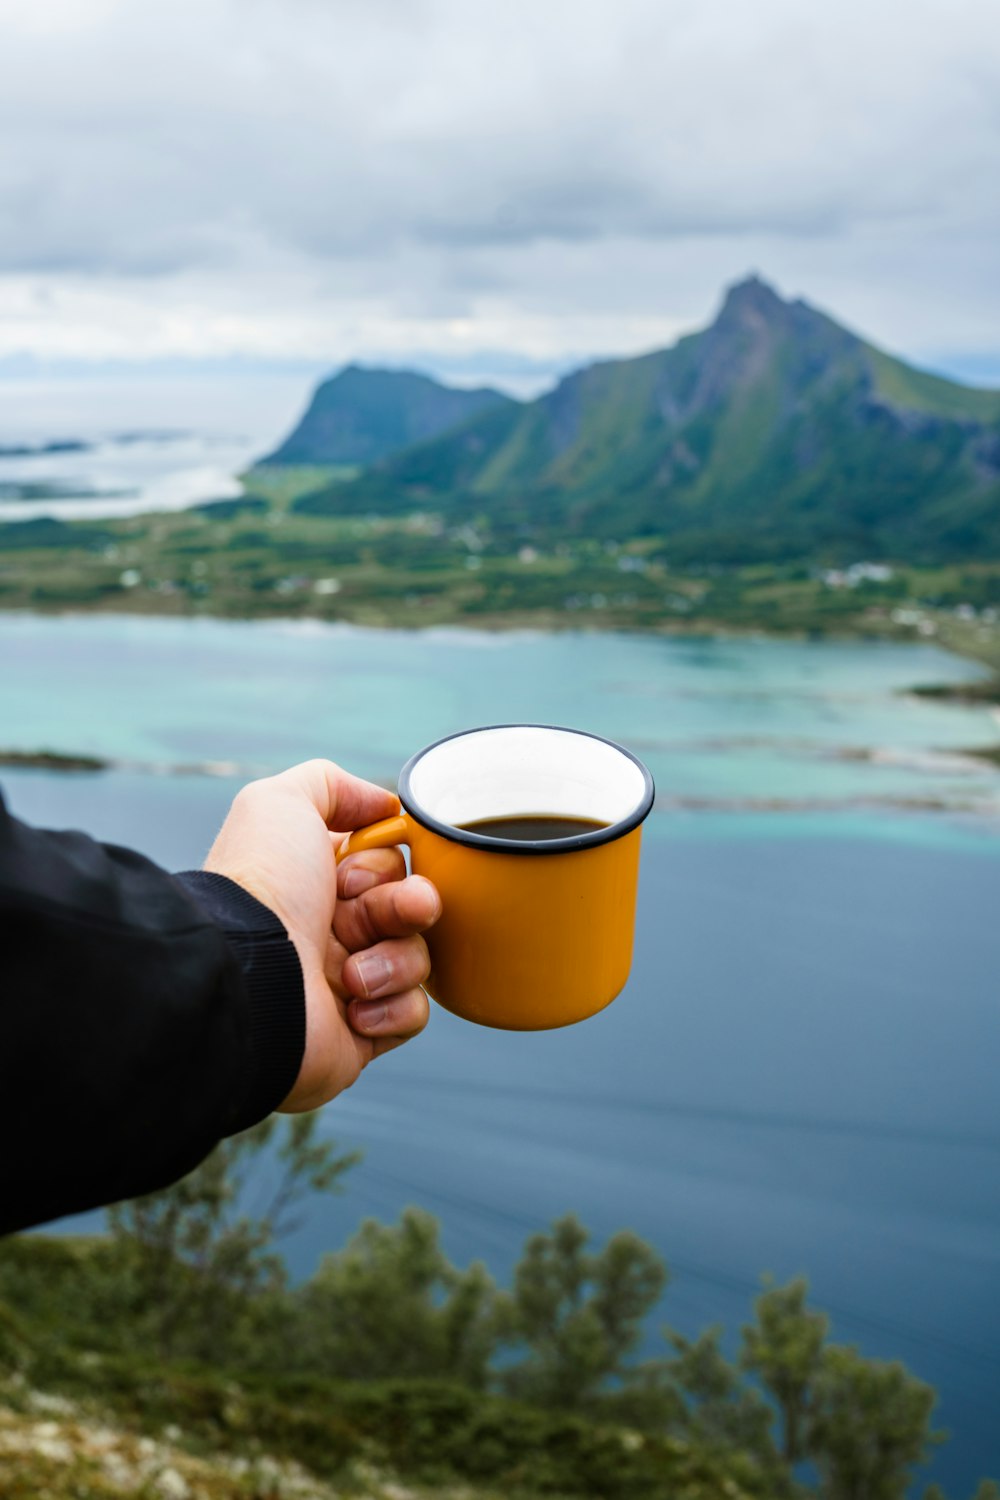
point(752, 301)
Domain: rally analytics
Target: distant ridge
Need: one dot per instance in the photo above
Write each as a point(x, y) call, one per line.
point(773, 433)
point(362, 415)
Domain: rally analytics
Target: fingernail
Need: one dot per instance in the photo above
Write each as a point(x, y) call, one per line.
point(368, 1014)
point(357, 879)
point(373, 971)
point(434, 891)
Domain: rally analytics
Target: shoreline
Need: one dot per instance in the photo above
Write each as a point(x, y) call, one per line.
point(983, 692)
point(553, 621)
point(257, 558)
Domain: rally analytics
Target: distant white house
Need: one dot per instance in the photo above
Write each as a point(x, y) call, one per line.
point(859, 572)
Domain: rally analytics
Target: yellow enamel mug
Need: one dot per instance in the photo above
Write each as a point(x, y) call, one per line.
point(534, 933)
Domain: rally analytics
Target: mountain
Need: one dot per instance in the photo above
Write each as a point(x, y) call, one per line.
point(361, 416)
point(773, 433)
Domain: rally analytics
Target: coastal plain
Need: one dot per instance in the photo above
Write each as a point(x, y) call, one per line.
point(257, 557)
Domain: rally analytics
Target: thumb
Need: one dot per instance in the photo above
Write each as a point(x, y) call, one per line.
point(343, 801)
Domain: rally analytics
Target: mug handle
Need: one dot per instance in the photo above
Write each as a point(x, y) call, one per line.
point(381, 835)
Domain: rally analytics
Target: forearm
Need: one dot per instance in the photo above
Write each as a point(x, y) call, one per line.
point(143, 1017)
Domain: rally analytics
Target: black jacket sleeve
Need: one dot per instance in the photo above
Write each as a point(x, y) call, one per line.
point(143, 1016)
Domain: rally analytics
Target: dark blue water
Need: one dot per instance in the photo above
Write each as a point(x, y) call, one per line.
point(802, 1075)
point(800, 1078)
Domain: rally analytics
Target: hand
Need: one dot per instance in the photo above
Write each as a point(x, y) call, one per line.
point(355, 926)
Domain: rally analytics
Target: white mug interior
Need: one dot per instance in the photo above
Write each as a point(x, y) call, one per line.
point(525, 770)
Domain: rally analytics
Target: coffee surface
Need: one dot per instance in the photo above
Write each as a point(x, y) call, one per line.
point(532, 828)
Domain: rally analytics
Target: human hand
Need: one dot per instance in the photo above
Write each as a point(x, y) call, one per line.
point(355, 926)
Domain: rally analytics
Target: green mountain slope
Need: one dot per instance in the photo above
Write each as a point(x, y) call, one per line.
point(360, 416)
point(773, 433)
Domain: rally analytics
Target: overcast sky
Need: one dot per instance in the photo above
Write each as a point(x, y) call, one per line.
point(489, 181)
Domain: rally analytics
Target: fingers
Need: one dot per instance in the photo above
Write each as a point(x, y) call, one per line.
point(391, 909)
point(360, 872)
point(343, 801)
point(388, 960)
point(389, 1022)
point(387, 969)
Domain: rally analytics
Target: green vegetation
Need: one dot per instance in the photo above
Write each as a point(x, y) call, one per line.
point(279, 484)
point(196, 1267)
point(918, 390)
point(256, 557)
point(773, 436)
point(175, 1346)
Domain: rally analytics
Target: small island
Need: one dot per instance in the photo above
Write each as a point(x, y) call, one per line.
point(41, 450)
point(51, 760)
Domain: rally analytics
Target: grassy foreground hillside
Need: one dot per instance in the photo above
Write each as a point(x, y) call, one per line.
point(188, 1436)
point(171, 1358)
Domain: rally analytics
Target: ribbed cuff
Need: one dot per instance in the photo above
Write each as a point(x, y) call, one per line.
point(272, 976)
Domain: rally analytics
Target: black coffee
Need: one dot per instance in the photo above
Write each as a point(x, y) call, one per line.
point(530, 828)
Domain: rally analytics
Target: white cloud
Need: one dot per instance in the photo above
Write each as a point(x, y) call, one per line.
point(272, 176)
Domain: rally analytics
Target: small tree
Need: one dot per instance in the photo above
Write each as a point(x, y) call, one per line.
point(870, 1424)
point(719, 1407)
point(784, 1348)
point(578, 1314)
point(392, 1304)
point(193, 1253)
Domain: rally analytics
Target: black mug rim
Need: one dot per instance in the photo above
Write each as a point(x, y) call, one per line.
point(487, 842)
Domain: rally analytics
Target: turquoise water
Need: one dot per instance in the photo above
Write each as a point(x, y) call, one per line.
point(724, 724)
point(801, 1074)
